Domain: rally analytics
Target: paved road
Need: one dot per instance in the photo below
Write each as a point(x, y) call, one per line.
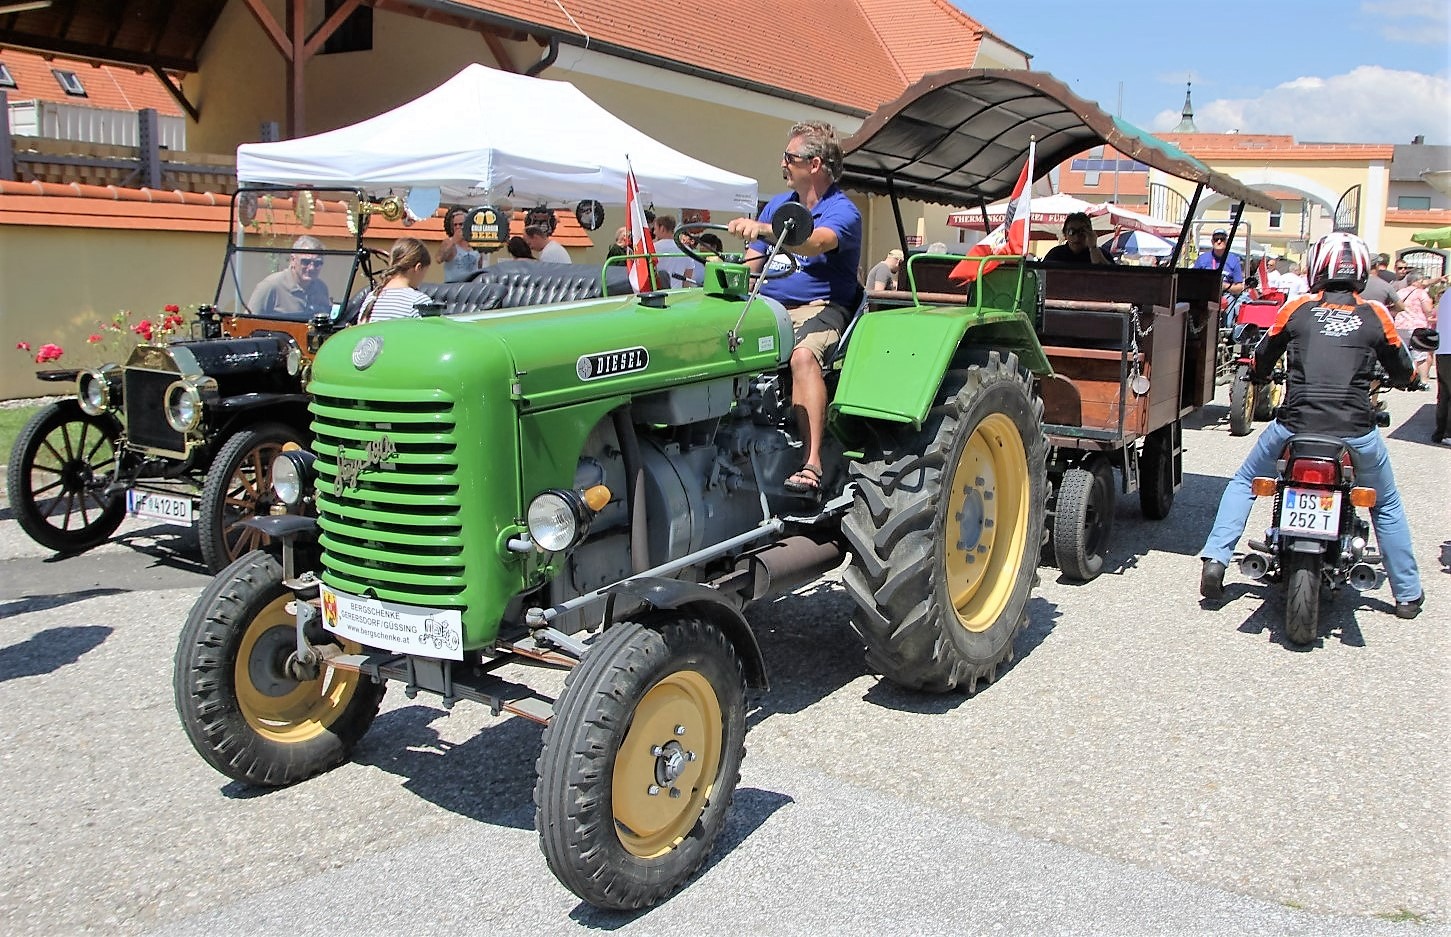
point(1147, 766)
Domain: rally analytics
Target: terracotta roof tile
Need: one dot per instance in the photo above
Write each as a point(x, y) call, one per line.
point(107, 86)
point(1429, 217)
point(892, 42)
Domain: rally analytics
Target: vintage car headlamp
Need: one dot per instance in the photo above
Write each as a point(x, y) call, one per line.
point(559, 518)
point(99, 390)
point(182, 405)
point(292, 476)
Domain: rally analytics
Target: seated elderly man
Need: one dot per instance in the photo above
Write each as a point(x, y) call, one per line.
point(298, 290)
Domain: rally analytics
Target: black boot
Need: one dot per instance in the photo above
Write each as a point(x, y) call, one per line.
point(1211, 579)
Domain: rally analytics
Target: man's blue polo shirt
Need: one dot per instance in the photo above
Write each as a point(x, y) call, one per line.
point(831, 276)
point(1233, 272)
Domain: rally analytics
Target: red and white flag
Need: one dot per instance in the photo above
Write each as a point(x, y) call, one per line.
point(1010, 237)
point(1264, 274)
point(641, 241)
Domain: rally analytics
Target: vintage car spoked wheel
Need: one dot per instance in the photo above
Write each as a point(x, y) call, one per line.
point(946, 529)
point(1083, 519)
point(57, 478)
point(1243, 403)
point(1302, 595)
point(641, 760)
point(238, 487)
point(246, 712)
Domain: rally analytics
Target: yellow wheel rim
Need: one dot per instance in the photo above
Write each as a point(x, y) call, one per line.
point(274, 704)
point(667, 764)
point(986, 522)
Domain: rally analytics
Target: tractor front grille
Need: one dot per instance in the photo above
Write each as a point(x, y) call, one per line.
point(390, 520)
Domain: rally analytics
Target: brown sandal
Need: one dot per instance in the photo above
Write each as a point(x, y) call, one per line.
point(805, 482)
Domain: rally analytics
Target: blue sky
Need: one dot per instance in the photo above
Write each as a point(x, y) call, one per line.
point(1347, 71)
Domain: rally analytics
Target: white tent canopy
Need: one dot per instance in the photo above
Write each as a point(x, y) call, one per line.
point(485, 136)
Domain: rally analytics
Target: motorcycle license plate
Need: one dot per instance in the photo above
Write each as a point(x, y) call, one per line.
point(154, 506)
point(392, 626)
point(1310, 512)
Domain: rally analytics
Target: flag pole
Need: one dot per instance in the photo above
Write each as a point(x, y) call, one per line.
point(1028, 197)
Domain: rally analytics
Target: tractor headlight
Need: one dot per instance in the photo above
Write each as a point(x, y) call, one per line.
point(98, 390)
point(182, 404)
point(559, 518)
point(292, 476)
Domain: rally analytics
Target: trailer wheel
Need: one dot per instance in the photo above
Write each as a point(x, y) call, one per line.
point(1243, 403)
point(946, 529)
point(243, 712)
point(1156, 473)
point(1083, 520)
point(239, 487)
point(1302, 596)
point(641, 760)
point(57, 476)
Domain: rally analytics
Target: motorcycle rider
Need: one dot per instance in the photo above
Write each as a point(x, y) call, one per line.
point(1334, 338)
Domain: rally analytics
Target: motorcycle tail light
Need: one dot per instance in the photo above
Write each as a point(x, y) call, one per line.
point(1262, 487)
point(1362, 497)
point(1314, 472)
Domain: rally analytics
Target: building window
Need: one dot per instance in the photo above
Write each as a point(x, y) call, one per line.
point(6, 79)
point(69, 83)
point(1275, 217)
point(1413, 202)
point(354, 35)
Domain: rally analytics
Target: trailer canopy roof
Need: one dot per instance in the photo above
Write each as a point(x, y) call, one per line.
point(959, 138)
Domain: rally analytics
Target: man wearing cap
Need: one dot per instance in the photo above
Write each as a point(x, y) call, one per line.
point(1218, 254)
point(883, 276)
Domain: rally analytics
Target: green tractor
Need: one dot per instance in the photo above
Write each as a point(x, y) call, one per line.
point(598, 486)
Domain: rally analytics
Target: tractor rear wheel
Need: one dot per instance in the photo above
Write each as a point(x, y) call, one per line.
point(946, 529)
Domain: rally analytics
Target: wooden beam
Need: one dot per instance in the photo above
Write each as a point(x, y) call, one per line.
point(496, 48)
point(177, 95)
point(296, 15)
point(329, 26)
point(263, 16)
point(47, 45)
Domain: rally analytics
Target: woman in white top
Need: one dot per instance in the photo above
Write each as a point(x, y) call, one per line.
point(460, 261)
point(399, 296)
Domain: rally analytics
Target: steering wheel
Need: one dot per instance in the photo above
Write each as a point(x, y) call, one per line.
point(791, 218)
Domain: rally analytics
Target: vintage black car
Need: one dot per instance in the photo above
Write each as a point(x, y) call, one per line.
point(184, 433)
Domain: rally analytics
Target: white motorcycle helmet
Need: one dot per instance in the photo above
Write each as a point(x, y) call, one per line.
point(1338, 257)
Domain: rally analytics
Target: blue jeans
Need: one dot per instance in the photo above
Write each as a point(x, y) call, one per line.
point(1373, 470)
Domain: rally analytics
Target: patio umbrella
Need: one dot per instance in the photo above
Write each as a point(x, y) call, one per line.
point(1436, 237)
point(1124, 218)
point(1049, 212)
point(1138, 243)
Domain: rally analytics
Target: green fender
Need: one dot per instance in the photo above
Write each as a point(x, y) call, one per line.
point(896, 357)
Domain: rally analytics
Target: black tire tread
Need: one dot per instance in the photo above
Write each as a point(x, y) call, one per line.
point(1302, 597)
point(1243, 402)
point(1081, 489)
point(1156, 474)
point(18, 481)
point(891, 529)
point(206, 697)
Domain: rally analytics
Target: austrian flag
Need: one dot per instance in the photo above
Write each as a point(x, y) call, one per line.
point(1008, 238)
point(641, 242)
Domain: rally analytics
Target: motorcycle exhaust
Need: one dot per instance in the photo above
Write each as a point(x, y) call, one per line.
point(1254, 566)
point(1362, 577)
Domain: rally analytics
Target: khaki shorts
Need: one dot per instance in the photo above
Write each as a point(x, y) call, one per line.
point(818, 328)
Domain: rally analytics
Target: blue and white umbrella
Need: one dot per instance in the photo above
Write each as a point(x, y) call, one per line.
point(1138, 243)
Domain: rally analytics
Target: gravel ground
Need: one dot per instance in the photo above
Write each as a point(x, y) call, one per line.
point(1148, 766)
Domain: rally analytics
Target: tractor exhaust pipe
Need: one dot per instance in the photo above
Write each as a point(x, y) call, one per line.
point(1363, 577)
point(788, 563)
point(1254, 566)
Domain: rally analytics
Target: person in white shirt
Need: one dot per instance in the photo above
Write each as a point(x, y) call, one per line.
point(545, 248)
point(399, 296)
point(673, 265)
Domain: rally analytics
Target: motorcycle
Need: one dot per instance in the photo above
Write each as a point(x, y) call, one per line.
point(1319, 537)
point(1252, 313)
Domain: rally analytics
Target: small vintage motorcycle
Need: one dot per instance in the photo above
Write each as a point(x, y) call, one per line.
point(1317, 536)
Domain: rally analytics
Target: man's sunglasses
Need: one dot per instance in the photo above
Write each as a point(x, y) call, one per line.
point(789, 157)
point(1069, 232)
point(310, 262)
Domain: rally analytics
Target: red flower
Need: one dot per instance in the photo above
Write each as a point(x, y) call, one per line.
point(171, 307)
point(171, 323)
point(92, 339)
point(48, 353)
point(143, 328)
point(22, 346)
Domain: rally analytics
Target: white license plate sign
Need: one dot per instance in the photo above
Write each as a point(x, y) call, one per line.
point(1310, 513)
point(154, 506)
point(390, 626)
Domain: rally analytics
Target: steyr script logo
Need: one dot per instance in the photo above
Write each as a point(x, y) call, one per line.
point(375, 454)
point(600, 364)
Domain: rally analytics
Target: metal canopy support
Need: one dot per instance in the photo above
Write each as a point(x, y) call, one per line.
point(7, 146)
point(897, 215)
point(148, 139)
